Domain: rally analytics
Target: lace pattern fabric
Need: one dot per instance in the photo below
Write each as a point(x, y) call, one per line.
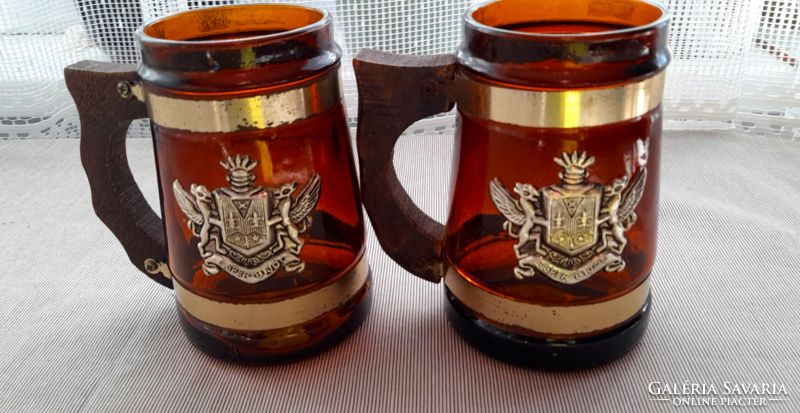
point(735, 62)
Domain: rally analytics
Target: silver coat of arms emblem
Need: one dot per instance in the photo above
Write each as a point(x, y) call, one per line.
point(572, 230)
point(249, 231)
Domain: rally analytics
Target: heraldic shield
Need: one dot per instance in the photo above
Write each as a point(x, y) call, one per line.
point(572, 218)
point(251, 232)
point(572, 230)
point(244, 220)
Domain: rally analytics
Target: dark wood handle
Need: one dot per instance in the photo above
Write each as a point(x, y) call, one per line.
point(104, 95)
point(394, 92)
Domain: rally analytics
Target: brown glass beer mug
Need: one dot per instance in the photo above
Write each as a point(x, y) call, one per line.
point(262, 235)
point(551, 233)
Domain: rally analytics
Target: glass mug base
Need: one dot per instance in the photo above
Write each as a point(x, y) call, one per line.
point(547, 354)
point(559, 125)
point(262, 236)
point(283, 345)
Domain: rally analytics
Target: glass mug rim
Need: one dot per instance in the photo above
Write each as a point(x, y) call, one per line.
point(473, 23)
point(212, 50)
point(248, 119)
point(513, 291)
point(144, 38)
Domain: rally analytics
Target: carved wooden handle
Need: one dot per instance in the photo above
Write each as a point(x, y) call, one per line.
point(104, 95)
point(394, 92)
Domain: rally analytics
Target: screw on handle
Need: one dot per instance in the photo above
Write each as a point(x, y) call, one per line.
point(394, 92)
point(102, 92)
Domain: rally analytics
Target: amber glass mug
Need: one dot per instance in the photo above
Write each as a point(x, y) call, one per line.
point(262, 235)
point(551, 233)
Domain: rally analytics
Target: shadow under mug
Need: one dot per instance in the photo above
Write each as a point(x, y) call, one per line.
point(262, 236)
point(551, 234)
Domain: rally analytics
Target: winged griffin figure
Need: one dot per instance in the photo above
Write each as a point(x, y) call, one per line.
point(572, 230)
point(251, 232)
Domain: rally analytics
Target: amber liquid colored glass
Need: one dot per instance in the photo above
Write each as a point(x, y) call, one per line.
point(334, 242)
point(476, 248)
point(563, 27)
point(319, 144)
point(235, 36)
point(567, 50)
point(485, 150)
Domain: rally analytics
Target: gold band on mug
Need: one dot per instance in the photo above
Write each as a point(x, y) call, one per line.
point(269, 316)
point(561, 109)
point(241, 114)
point(566, 320)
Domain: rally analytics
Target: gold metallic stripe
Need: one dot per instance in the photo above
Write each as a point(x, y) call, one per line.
point(269, 316)
point(563, 109)
point(547, 319)
point(256, 112)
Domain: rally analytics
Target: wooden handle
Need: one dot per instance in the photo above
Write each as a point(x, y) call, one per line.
point(394, 92)
point(106, 101)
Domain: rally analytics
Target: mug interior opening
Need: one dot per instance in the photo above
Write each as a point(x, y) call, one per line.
point(567, 16)
point(232, 22)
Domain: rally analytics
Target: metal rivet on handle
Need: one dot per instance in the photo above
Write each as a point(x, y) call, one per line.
point(155, 267)
point(124, 90)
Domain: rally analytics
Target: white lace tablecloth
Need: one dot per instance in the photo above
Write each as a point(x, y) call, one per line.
point(82, 330)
